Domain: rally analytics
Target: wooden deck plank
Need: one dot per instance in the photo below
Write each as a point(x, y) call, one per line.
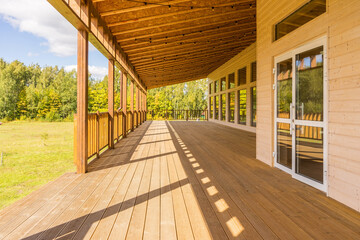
point(167, 221)
point(167, 180)
point(152, 220)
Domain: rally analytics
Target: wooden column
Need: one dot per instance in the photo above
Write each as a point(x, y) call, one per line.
point(111, 102)
point(124, 100)
point(82, 102)
point(132, 104)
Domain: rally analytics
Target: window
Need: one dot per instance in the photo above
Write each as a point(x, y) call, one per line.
point(210, 88)
point(242, 76)
point(223, 107)
point(253, 72)
point(223, 84)
point(232, 107)
point(309, 85)
point(216, 107)
point(231, 82)
point(242, 107)
point(211, 107)
point(253, 106)
point(306, 13)
point(216, 86)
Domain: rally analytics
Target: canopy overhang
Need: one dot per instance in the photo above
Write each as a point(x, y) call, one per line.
point(158, 43)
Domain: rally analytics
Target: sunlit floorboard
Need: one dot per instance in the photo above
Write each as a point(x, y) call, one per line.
point(179, 180)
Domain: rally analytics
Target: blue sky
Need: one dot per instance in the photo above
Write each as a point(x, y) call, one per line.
point(32, 31)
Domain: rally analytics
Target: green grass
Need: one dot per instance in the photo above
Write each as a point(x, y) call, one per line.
point(34, 153)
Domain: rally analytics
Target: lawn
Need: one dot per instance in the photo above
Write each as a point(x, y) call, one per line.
point(34, 153)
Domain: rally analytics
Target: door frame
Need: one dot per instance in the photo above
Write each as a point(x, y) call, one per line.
point(321, 41)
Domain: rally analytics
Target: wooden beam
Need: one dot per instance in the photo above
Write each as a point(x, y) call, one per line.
point(239, 6)
point(229, 28)
point(139, 8)
point(190, 48)
point(132, 103)
point(82, 101)
point(85, 17)
point(124, 100)
point(193, 19)
point(111, 102)
point(175, 44)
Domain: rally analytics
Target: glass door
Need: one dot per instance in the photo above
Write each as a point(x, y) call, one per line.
point(299, 116)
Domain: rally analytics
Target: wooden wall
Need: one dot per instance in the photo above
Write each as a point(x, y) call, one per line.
point(341, 25)
point(243, 59)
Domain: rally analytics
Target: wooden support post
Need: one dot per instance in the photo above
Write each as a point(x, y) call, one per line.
point(132, 104)
point(82, 101)
point(124, 101)
point(111, 103)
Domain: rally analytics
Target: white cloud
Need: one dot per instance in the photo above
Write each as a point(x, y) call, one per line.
point(41, 19)
point(95, 71)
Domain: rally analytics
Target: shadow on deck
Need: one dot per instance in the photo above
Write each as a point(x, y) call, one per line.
point(185, 180)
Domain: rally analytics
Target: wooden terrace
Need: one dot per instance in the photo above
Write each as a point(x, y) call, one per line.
point(166, 180)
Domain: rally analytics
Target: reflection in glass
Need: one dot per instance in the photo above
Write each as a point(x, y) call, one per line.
point(216, 86)
point(232, 106)
point(231, 81)
point(309, 85)
point(242, 106)
point(217, 107)
point(253, 106)
point(211, 107)
point(253, 72)
point(210, 88)
point(309, 152)
point(242, 76)
point(284, 88)
point(223, 107)
point(284, 145)
point(223, 84)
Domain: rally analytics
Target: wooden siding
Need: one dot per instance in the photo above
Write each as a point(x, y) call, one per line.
point(241, 60)
point(341, 25)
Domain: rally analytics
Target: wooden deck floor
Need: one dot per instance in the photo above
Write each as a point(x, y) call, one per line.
point(179, 180)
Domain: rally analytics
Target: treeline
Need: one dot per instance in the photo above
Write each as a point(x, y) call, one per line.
point(182, 96)
point(49, 93)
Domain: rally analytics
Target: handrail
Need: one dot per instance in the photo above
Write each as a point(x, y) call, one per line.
point(99, 130)
point(178, 114)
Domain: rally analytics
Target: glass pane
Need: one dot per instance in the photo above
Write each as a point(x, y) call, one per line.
point(223, 107)
point(253, 72)
point(216, 107)
point(210, 88)
point(301, 16)
point(309, 85)
point(217, 86)
point(284, 88)
point(242, 106)
point(231, 80)
point(232, 106)
point(284, 145)
point(211, 107)
point(253, 106)
point(242, 76)
point(223, 84)
point(309, 152)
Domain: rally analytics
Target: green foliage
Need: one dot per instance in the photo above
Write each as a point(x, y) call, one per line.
point(49, 93)
point(182, 96)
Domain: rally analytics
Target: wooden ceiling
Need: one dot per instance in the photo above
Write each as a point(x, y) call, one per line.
point(176, 41)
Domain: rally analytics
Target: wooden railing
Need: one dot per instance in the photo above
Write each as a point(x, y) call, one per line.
point(99, 130)
point(178, 115)
point(304, 131)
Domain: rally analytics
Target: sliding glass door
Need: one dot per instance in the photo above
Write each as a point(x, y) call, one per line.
point(300, 94)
